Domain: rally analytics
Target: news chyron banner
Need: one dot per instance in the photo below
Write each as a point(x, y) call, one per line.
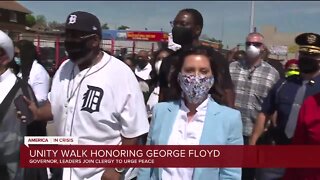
point(67, 152)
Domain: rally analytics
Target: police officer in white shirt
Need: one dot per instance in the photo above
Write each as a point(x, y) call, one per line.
point(90, 100)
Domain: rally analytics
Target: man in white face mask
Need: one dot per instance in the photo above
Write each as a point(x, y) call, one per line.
point(254, 48)
point(252, 78)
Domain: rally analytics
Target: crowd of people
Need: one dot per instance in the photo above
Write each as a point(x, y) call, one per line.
point(190, 95)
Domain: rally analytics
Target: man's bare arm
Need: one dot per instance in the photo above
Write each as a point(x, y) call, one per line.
point(42, 113)
point(258, 128)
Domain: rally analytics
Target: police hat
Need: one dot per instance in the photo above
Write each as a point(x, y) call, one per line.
point(83, 21)
point(309, 43)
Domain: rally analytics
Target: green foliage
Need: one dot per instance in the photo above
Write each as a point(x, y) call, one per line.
point(105, 26)
point(41, 20)
point(123, 27)
point(30, 20)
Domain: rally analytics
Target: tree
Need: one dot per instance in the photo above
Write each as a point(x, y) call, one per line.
point(214, 39)
point(41, 20)
point(54, 25)
point(30, 20)
point(105, 26)
point(206, 37)
point(123, 27)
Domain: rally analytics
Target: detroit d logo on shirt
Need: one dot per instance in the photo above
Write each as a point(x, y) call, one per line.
point(92, 99)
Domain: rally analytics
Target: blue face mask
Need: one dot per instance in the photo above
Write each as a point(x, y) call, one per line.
point(17, 60)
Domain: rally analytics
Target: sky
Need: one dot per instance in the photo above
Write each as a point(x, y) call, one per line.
point(228, 21)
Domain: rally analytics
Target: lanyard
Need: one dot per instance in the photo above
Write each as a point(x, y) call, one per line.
point(72, 76)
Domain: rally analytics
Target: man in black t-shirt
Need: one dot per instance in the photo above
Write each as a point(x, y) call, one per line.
point(187, 27)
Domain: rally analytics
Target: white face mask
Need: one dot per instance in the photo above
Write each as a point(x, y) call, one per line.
point(252, 51)
point(157, 66)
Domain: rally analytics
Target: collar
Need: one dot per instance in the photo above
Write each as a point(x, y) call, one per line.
point(144, 73)
point(105, 59)
point(202, 107)
point(5, 75)
point(243, 64)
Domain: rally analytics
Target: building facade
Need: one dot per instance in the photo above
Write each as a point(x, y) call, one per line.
point(281, 44)
point(13, 18)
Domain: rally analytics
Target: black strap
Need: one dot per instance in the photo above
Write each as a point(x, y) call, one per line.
point(4, 106)
point(27, 92)
point(278, 91)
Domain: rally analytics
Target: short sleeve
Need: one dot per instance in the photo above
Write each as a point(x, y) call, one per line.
point(268, 106)
point(132, 110)
point(40, 83)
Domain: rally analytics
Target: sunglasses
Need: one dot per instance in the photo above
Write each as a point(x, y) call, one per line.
point(179, 23)
point(2, 52)
point(256, 44)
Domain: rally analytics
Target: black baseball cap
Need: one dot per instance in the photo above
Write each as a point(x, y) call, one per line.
point(83, 21)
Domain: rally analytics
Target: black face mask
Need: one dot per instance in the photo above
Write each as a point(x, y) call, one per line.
point(182, 35)
point(77, 50)
point(142, 63)
point(308, 65)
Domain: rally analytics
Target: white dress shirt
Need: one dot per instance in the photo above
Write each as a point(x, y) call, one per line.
point(185, 133)
point(153, 98)
point(7, 81)
point(143, 73)
point(39, 80)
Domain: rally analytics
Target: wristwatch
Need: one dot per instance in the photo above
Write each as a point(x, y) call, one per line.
point(120, 170)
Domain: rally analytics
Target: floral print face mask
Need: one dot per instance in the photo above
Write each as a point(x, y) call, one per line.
point(195, 88)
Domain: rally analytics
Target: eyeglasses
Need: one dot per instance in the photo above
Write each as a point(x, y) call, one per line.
point(256, 44)
point(87, 36)
point(179, 23)
point(76, 36)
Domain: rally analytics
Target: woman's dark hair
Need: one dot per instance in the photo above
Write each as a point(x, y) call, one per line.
point(216, 90)
point(28, 54)
point(153, 74)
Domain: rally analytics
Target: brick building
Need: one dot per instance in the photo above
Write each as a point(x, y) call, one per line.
point(13, 17)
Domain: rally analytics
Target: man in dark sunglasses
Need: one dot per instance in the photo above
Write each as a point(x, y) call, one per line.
point(253, 78)
point(254, 47)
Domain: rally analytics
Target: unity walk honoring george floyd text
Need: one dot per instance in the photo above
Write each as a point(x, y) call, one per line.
point(65, 156)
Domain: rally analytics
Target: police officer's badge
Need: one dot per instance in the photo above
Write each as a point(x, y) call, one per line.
point(311, 38)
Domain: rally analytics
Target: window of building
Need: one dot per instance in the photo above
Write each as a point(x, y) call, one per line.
point(13, 17)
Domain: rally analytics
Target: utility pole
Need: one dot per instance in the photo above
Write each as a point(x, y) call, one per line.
point(222, 28)
point(252, 18)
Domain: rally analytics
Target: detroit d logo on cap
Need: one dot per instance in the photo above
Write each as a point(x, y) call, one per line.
point(92, 99)
point(72, 19)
